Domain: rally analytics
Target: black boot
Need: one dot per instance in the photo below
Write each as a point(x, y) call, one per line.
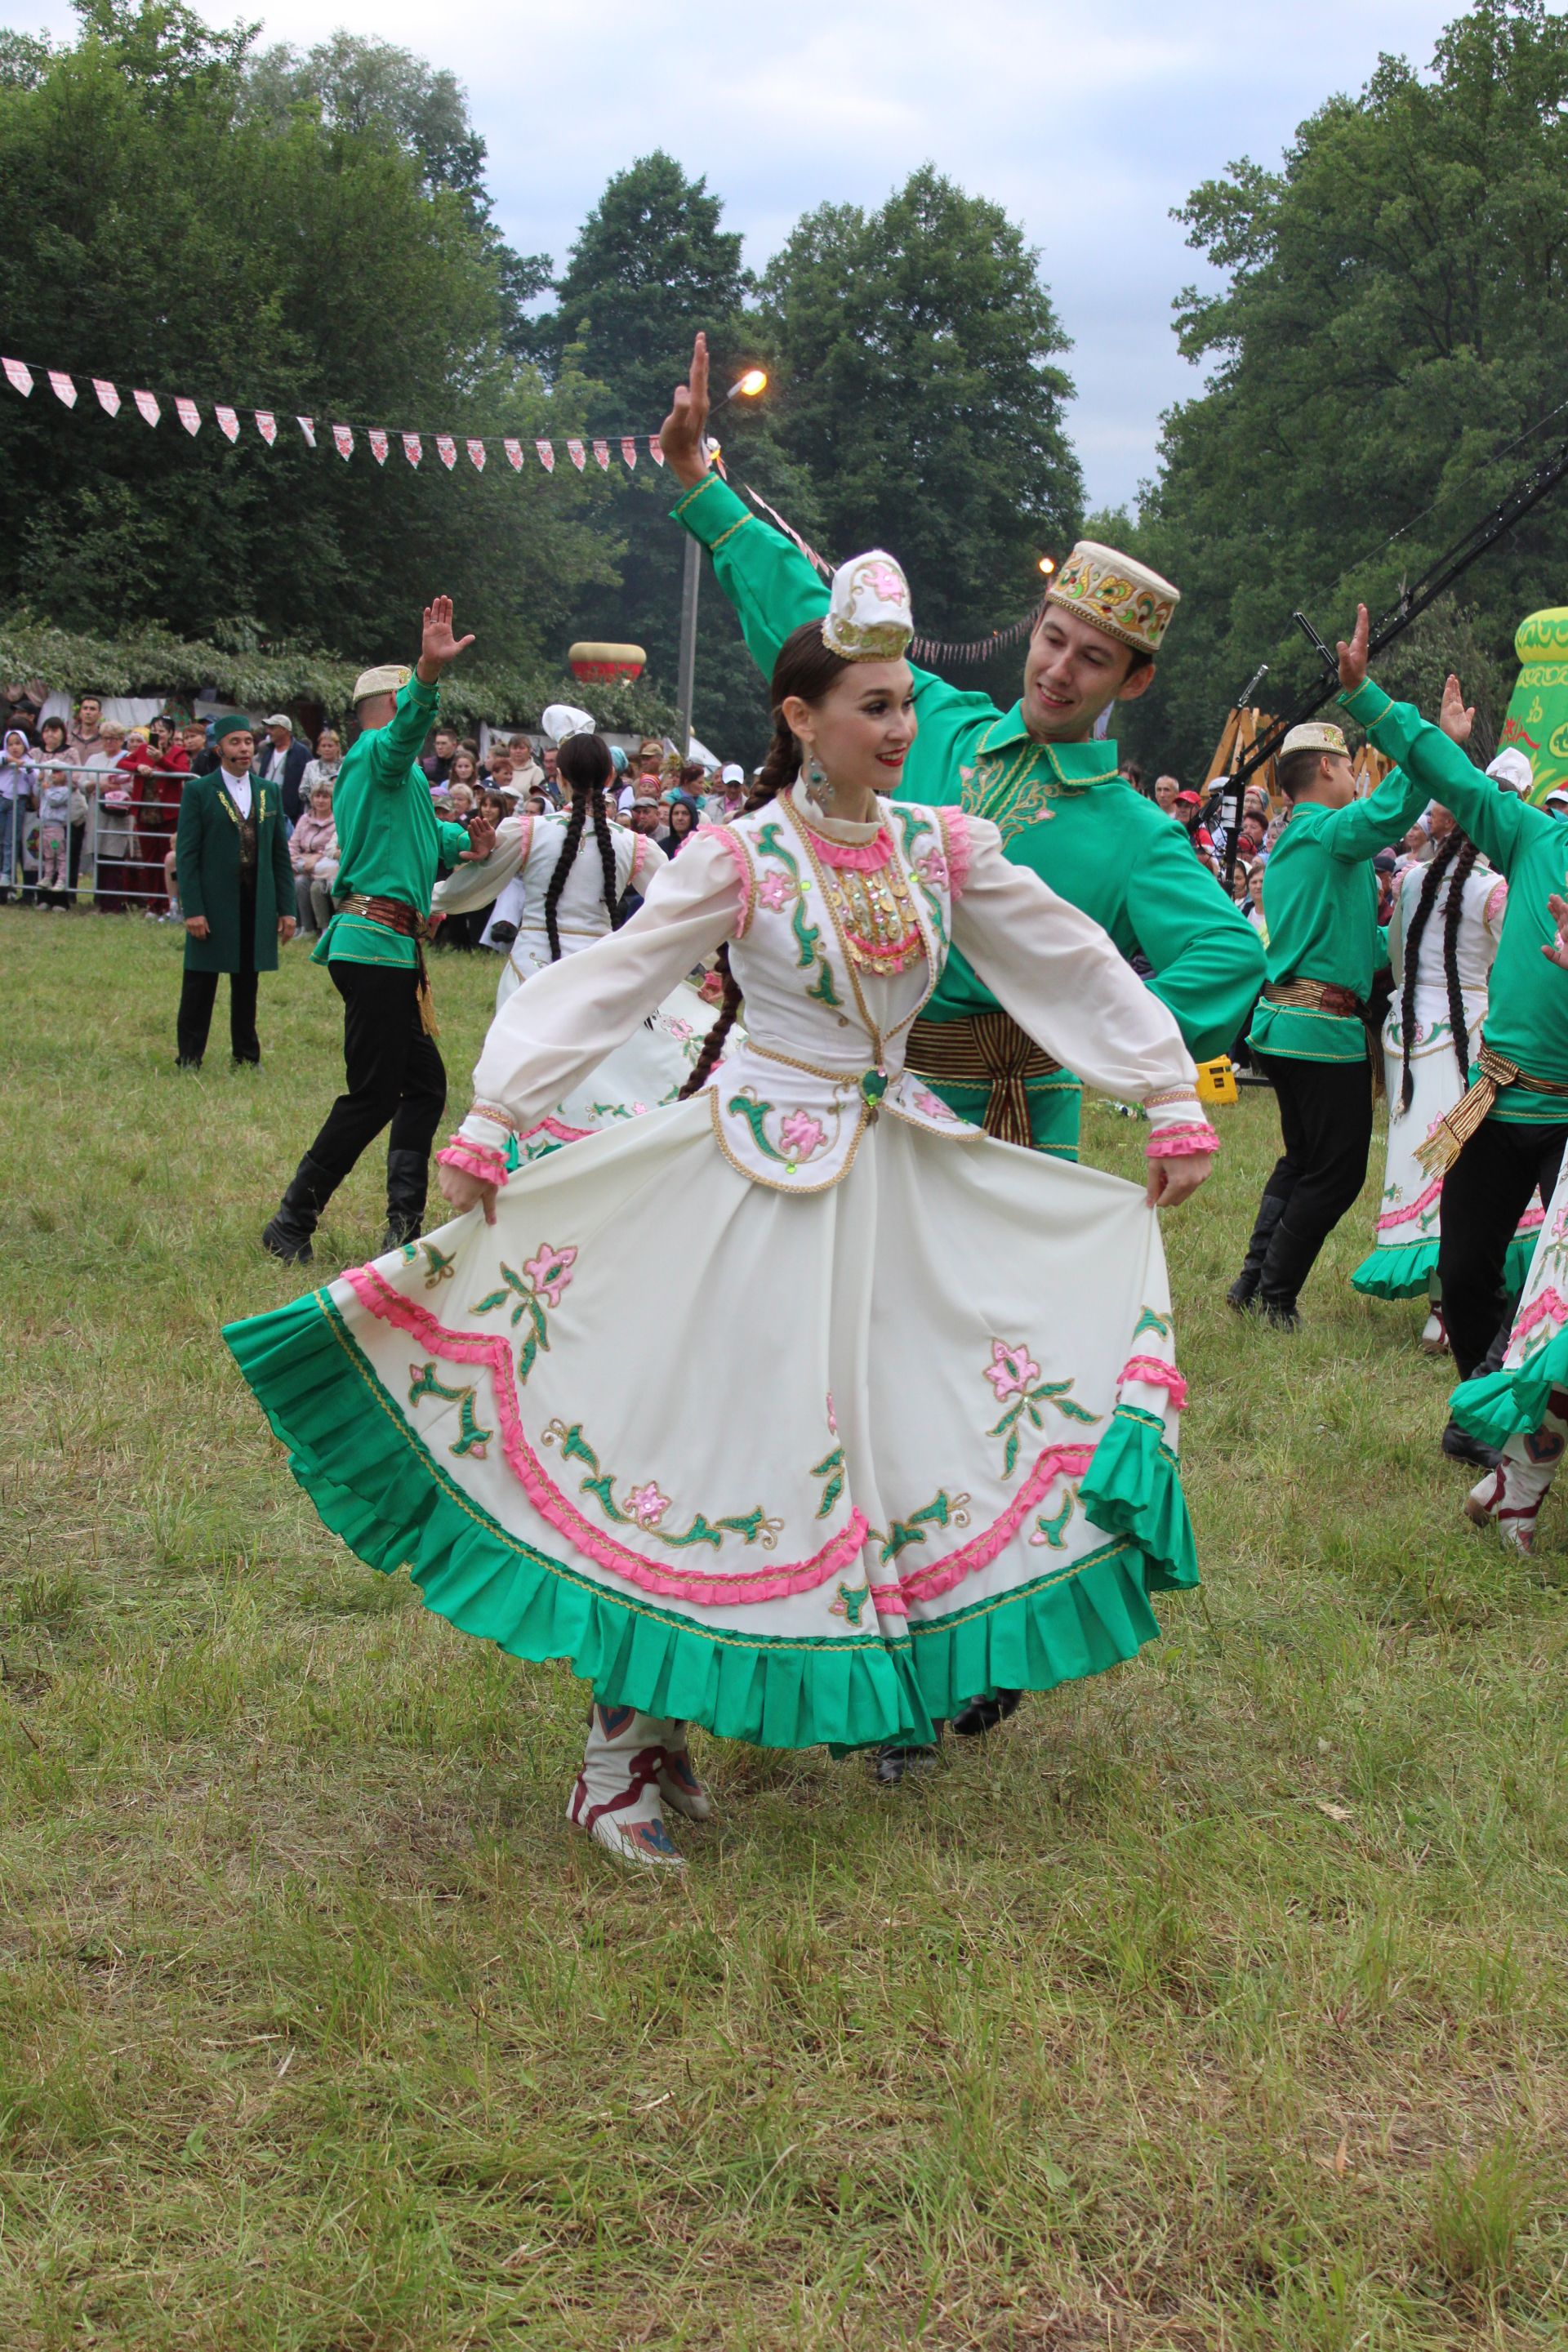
point(1244, 1289)
point(979, 1716)
point(1290, 1259)
point(289, 1235)
point(893, 1762)
point(408, 1185)
point(1459, 1445)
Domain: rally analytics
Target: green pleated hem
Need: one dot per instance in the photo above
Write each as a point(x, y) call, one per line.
point(375, 1485)
point(1403, 1273)
point(1500, 1403)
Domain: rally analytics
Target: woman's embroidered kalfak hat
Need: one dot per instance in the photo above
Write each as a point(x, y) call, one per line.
point(868, 616)
point(1117, 593)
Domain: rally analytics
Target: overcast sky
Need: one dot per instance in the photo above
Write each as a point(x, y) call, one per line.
point(1088, 123)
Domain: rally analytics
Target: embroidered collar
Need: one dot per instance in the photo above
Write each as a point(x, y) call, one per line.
point(832, 828)
point(1080, 764)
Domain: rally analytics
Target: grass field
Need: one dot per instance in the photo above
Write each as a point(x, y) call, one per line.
point(1221, 2003)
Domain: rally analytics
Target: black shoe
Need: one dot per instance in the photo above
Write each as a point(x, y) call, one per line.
point(980, 1716)
point(1243, 1291)
point(1280, 1314)
point(288, 1235)
point(1460, 1446)
point(893, 1763)
point(407, 1186)
point(188, 1061)
point(1290, 1259)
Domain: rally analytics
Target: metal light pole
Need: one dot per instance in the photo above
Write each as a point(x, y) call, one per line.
point(748, 386)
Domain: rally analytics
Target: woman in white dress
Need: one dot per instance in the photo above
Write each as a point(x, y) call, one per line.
point(946, 1463)
point(1442, 940)
point(557, 881)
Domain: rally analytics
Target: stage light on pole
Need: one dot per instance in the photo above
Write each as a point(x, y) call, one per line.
point(755, 380)
point(1047, 564)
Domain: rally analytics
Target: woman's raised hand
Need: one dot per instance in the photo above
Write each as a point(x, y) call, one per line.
point(680, 436)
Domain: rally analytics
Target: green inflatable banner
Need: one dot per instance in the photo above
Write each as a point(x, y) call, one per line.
point(1537, 721)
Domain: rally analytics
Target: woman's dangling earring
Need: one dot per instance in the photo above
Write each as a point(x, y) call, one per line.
point(816, 784)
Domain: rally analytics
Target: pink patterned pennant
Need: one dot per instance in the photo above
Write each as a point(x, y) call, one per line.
point(546, 455)
point(413, 447)
point(577, 454)
point(62, 387)
point(146, 406)
point(227, 423)
point(343, 441)
point(266, 425)
point(655, 448)
point(513, 455)
point(378, 445)
point(307, 426)
point(107, 398)
point(602, 454)
point(477, 456)
point(630, 451)
point(18, 376)
point(189, 415)
point(447, 450)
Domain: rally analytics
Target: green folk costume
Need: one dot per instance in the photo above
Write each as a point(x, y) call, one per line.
point(1527, 1011)
point(391, 843)
point(1319, 899)
point(208, 850)
point(1062, 810)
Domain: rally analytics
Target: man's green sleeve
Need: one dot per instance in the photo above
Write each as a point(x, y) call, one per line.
point(1208, 960)
point(1500, 824)
point(1364, 827)
point(395, 746)
point(454, 845)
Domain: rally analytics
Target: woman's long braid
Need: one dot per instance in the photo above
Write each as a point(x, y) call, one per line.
point(776, 774)
point(564, 864)
point(1458, 1021)
point(1431, 884)
point(607, 859)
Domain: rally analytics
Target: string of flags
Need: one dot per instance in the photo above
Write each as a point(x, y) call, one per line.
point(21, 377)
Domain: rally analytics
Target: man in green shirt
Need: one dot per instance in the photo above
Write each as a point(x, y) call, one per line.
point(392, 852)
point(1507, 1136)
point(1310, 1036)
point(1040, 773)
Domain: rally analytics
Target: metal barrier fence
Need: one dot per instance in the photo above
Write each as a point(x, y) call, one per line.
point(113, 847)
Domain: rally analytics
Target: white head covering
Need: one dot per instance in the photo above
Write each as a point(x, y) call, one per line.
point(868, 616)
point(1316, 735)
point(560, 720)
point(390, 678)
point(1512, 770)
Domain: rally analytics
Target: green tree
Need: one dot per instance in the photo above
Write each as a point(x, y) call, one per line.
point(160, 228)
point(1392, 323)
point(918, 383)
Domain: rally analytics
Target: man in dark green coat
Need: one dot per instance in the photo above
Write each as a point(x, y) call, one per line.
point(231, 854)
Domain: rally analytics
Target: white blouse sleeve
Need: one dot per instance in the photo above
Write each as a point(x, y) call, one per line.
point(476, 883)
point(647, 858)
point(1495, 907)
point(1061, 978)
point(560, 1023)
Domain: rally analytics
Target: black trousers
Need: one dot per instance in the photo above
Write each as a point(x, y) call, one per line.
point(1325, 1120)
point(1485, 1193)
point(395, 1070)
point(199, 995)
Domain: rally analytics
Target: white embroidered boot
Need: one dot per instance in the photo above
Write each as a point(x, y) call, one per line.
point(1435, 1334)
point(616, 1797)
point(679, 1783)
point(1510, 1495)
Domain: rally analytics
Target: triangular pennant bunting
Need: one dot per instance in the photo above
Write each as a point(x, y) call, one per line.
point(18, 376)
point(577, 454)
point(343, 441)
point(266, 425)
point(62, 387)
point(412, 448)
point(477, 456)
point(378, 445)
point(656, 449)
point(602, 453)
point(227, 423)
point(307, 426)
point(546, 455)
point(447, 450)
point(189, 415)
point(107, 398)
point(629, 450)
point(146, 406)
point(513, 455)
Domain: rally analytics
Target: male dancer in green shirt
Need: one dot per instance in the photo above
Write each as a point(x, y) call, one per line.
point(391, 851)
point(1040, 773)
point(1319, 901)
point(1508, 1134)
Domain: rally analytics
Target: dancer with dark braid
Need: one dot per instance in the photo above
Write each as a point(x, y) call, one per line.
point(1442, 939)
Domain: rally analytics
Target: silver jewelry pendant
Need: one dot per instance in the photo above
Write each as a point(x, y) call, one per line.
point(816, 784)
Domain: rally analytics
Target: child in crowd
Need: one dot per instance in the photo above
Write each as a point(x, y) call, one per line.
point(54, 798)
